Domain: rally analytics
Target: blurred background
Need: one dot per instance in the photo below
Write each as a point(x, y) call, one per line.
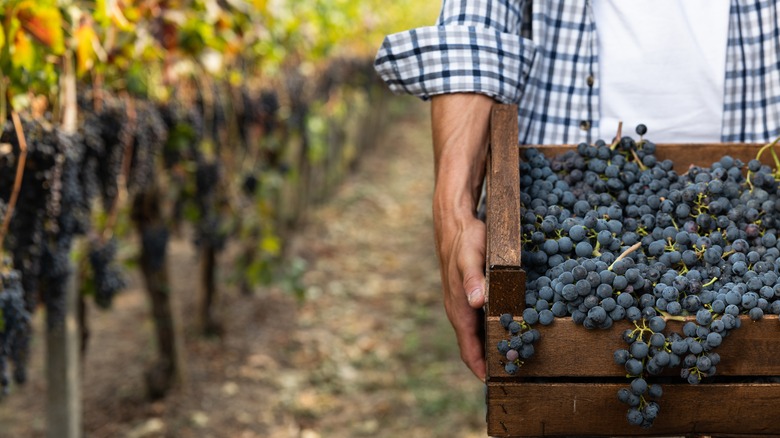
point(216, 223)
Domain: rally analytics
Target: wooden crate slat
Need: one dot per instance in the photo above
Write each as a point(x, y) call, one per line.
point(503, 191)
point(684, 154)
point(589, 352)
point(557, 409)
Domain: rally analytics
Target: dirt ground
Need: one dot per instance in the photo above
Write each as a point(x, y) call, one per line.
point(368, 352)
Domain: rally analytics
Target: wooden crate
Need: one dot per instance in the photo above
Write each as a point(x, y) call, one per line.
point(569, 387)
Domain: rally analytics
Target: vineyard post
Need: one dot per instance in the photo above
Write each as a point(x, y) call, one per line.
point(63, 376)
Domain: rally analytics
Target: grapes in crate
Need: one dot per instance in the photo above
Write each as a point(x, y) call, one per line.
point(611, 233)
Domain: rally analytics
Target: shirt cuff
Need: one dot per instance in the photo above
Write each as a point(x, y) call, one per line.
point(452, 59)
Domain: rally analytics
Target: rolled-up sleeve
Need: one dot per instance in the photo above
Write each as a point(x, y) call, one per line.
point(476, 47)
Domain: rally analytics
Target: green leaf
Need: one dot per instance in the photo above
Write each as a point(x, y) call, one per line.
point(137, 80)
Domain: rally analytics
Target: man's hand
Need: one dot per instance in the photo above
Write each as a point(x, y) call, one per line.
point(460, 129)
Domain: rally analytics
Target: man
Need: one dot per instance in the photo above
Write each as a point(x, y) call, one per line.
point(691, 71)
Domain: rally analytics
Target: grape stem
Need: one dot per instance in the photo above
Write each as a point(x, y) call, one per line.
point(617, 136)
point(769, 146)
point(596, 252)
point(668, 317)
point(774, 156)
point(625, 254)
point(711, 282)
point(18, 181)
point(638, 160)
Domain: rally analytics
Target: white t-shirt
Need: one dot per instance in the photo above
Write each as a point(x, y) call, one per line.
point(662, 63)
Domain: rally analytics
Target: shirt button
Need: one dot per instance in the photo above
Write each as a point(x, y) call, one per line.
point(589, 80)
point(585, 125)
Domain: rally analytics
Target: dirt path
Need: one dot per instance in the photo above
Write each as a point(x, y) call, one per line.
point(368, 352)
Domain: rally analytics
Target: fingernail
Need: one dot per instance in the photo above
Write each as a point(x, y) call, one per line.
point(474, 295)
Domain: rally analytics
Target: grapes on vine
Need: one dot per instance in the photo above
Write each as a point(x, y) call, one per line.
point(14, 325)
point(106, 276)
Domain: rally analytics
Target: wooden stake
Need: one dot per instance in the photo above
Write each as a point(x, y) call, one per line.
point(63, 378)
point(63, 362)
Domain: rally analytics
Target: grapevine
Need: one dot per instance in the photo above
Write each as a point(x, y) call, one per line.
point(14, 316)
point(129, 108)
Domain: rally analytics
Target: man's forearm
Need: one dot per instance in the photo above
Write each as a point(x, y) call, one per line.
point(460, 128)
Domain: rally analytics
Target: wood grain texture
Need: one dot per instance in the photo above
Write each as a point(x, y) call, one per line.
point(568, 350)
point(503, 190)
point(552, 409)
point(503, 285)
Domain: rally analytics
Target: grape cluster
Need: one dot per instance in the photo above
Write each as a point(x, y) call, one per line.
point(104, 132)
point(106, 276)
point(31, 215)
point(210, 232)
point(150, 137)
point(14, 324)
point(520, 346)
point(611, 233)
point(259, 109)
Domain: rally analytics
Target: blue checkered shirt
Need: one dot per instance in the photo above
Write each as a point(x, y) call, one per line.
point(546, 61)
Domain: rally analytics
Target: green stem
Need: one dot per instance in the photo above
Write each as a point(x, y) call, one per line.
point(667, 317)
point(711, 282)
point(767, 146)
point(638, 160)
point(774, 156)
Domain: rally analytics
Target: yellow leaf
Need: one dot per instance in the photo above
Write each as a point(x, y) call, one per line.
point(44, 23)
point(86, 39)
point(23, 53)
point(2, 36)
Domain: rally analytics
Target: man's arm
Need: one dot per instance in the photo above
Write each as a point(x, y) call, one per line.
point(460, 131)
